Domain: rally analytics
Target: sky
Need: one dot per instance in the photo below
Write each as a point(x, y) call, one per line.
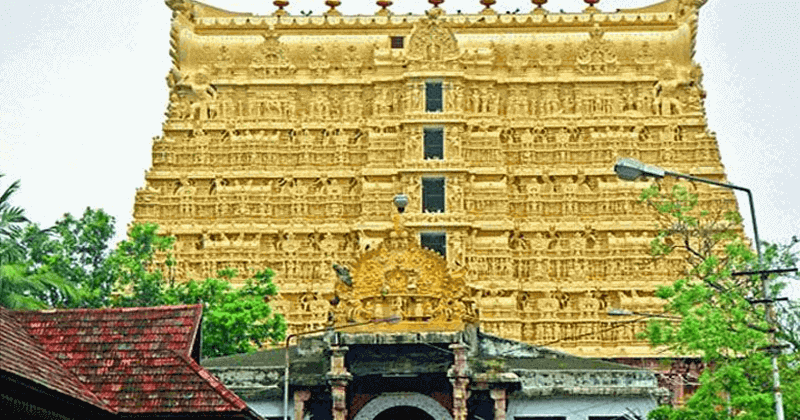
point(84, 91)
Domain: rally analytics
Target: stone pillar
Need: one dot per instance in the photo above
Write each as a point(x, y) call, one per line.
point(300, 397)
point(459, 377)
point(338, 378)
point(499, 397)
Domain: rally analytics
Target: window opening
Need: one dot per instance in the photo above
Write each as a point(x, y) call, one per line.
point(433, 96)
point(433, 195)
point(540, 418)
point(435, 241)
point(433, 139)
point(397, 41)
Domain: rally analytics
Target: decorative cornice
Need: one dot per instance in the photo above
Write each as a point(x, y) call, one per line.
point(461, 22)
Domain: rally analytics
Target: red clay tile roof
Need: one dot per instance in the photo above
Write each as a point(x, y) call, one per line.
point(135, 360)
point(21, 355)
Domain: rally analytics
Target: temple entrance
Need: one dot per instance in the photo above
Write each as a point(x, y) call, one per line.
point(403, 405)
point(403, 413)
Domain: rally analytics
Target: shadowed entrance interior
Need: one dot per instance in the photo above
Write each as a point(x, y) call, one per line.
point(403, 413)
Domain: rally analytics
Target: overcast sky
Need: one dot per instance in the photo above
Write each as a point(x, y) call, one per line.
point(84, 92)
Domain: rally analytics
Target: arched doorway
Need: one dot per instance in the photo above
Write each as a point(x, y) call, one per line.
point(397, 405)
point(403, 412)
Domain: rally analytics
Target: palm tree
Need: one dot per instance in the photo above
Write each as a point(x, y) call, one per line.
point(20, 287)
point(12, 220)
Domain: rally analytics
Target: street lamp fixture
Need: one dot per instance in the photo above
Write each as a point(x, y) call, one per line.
point(631, 169)
point(394, 319)
point(401, 202)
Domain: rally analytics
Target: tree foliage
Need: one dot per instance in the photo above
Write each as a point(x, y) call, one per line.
point(77, 251)
point(21, 287)
point(717, 320)
point(235, 319)
point(12, 221)
point(72, 264)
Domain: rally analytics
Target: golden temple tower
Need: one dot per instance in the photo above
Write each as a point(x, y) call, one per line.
point(287, 137)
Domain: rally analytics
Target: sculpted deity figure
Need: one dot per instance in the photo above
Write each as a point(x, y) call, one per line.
point(516, 61)
point(666, 92)
point(454, 139)
point(351, 61)
point(549, 60)
point(203, 95)
point(319, 63)
point(450, 97)
point(455, 197)
point(415, 91)
point(224, 64)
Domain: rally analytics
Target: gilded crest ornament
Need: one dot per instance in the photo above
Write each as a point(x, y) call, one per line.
point(271, 60)
point(401, 278)
point(596, 56)
point(432, 43)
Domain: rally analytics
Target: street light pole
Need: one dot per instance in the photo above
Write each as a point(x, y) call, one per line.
point(631, 169)
point(391, 320)
point(625, 312)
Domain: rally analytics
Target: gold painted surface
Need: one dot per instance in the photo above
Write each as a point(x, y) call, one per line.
point(286, 138)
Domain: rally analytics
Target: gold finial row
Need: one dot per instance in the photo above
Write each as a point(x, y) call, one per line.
point(487, 7)
point(280, 4)
point(384, 4)
point(591, 8)
point(539, 4)
point(333, 4)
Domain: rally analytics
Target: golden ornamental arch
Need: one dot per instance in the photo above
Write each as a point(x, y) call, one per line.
point(400, 278)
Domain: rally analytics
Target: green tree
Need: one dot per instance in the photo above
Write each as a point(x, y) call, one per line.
point(21, 287)
point(76, 250)
point(717, 320)
point(12, 221)
point(139, 281)
point(235, 319)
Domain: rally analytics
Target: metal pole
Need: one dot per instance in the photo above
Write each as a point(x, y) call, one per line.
point(776, 377)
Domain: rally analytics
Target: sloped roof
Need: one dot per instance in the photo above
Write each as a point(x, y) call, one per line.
point(131, 360)
point(21, 355)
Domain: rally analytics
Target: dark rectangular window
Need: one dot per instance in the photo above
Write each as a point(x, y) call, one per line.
point(433, 96)
point(434, 142)
point(433, 195)
point(397, 41)
point(607, 417)
point(540, 418)
point(435, 241)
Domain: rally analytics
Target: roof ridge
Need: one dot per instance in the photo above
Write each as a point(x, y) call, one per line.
point(117, 309)
point(215, 383)
point(88, 395)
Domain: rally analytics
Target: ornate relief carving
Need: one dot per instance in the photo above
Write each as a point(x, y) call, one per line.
point(432, 44)
point(401, 278)
point(319, 64)
point(596, 56)
point(352, 61)
point(297, 173)
point(668, 90)
point(516, 61)
point(550, 60)
point(270, 61)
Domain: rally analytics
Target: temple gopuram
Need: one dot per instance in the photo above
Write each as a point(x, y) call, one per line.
point(287, 138)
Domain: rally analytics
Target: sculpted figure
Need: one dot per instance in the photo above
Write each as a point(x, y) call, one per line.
point(666, 92)
point(352, 61)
